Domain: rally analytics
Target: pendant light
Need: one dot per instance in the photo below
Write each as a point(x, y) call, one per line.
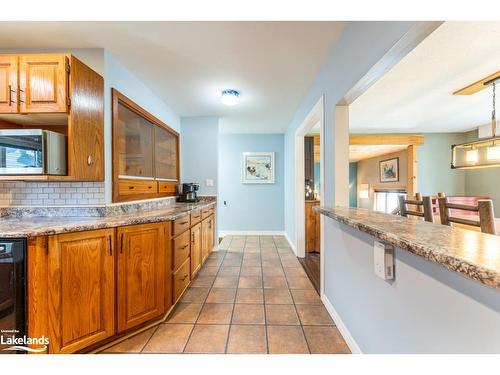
point(481, 153)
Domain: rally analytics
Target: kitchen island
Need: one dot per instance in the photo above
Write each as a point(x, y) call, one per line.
point(445, 295)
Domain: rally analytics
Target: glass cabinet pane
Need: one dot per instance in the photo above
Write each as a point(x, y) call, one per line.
point(165, 154)
point(135, 144)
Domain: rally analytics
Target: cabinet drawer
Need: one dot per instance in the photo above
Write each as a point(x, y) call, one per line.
point(181, 249)
point(195, 217)
point(128, 187)
point(180, 225)
point(169, 187)
point(181, 279)
point(207, 211)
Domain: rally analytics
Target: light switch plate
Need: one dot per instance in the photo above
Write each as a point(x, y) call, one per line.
point(383, 259)
point(209, 182)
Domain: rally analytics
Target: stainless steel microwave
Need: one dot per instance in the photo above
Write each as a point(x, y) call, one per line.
point(33, 152)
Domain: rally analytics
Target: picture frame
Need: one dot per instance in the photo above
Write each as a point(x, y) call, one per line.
point(389, 170)
point(258, 168)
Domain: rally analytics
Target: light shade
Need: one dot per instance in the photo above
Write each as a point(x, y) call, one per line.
point(230, 97)
point(493, 153)
point(472, 156)
point(477, 154)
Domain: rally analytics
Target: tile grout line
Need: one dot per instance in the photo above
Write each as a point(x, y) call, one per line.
point(234, 303)
point(204, 302)
point(264, 299)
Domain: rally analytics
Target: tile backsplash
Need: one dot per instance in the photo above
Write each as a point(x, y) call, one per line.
point(51, 194)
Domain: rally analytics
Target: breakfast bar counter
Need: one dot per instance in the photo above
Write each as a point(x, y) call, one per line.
point(473, 254)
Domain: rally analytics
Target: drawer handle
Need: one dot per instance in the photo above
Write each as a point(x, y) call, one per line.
point(184, 222)
point(183, 247)
point(185, 277)
point(131, 187)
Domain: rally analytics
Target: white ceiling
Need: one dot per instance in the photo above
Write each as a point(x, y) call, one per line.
point(188, 63)
point(416, 95)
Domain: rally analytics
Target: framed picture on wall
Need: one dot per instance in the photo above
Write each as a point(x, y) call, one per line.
point(258, 168)
point(389, 170)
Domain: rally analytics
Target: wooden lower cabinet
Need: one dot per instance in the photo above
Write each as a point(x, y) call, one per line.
point(207, 234)
point(141, 274)
point(86, 288)
point(312, 226)
point(81, 289)
point(195, 249)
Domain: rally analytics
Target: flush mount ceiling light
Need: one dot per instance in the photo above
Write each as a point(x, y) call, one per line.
point(483, 152)
point(230, 97)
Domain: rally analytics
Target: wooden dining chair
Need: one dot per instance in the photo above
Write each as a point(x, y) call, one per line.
point(484, 209)
point(423, 207)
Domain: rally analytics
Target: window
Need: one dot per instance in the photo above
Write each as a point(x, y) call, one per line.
point(387, 200)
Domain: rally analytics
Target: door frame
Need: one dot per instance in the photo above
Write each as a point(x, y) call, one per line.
point(316, 114)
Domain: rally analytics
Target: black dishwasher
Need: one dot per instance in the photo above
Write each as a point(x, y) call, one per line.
point(12, 290)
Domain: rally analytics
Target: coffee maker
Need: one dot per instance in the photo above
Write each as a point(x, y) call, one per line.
point(188, 193)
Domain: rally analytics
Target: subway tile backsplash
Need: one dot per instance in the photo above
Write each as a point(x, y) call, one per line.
point(45, 194)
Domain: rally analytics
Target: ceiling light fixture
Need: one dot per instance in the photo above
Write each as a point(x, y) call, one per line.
point(483, 152)
point(230, 97)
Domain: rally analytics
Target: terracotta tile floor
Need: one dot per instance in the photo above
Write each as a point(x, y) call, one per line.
point(251, 297)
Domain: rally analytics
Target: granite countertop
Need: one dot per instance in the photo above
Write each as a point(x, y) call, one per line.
point(473, 254)
point(12, 227)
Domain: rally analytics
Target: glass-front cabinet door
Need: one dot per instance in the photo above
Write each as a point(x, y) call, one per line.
point(135, 145)
point(165, 155)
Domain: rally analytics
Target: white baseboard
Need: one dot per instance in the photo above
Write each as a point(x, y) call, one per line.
point(351, 343)
point(223, 233)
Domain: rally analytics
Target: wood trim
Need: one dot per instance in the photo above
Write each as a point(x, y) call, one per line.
point(165, 191)
point(478, 85)
point(386, 139)
point(411, 171)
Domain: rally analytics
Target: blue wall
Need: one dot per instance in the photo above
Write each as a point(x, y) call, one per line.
point(200, 152)
point(250, 207)
point(360, 46)
point(353, 184)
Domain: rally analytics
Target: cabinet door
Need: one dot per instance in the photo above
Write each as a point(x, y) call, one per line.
point(43, 83)
point(166, 154)
point(205, 239)
point(135, 144)
point(81, 292)
point(8, 84)
point(211, 234)
point(195, 249)
point(141, 274)
point(86, 123)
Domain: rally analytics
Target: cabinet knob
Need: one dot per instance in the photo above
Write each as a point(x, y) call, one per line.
point(90, 160)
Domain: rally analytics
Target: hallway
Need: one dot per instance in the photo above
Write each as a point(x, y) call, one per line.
point(251, 296)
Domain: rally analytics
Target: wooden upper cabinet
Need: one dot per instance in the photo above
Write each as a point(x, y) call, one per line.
point(86, 123)
point(81, 289)
point(141, 278)
point(8, 84)
point(145, 153)
point(43, 83)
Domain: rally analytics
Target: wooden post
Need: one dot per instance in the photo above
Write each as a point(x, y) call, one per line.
point(411, 183)
point(418, 197)
point(427, 206)
point(486, 216)
point(402, 205)
point(443, 210)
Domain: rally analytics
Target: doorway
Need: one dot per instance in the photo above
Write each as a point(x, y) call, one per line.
point(309, 189)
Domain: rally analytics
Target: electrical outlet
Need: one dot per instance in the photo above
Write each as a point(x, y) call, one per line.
point(383, 260)
point(209, 182)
